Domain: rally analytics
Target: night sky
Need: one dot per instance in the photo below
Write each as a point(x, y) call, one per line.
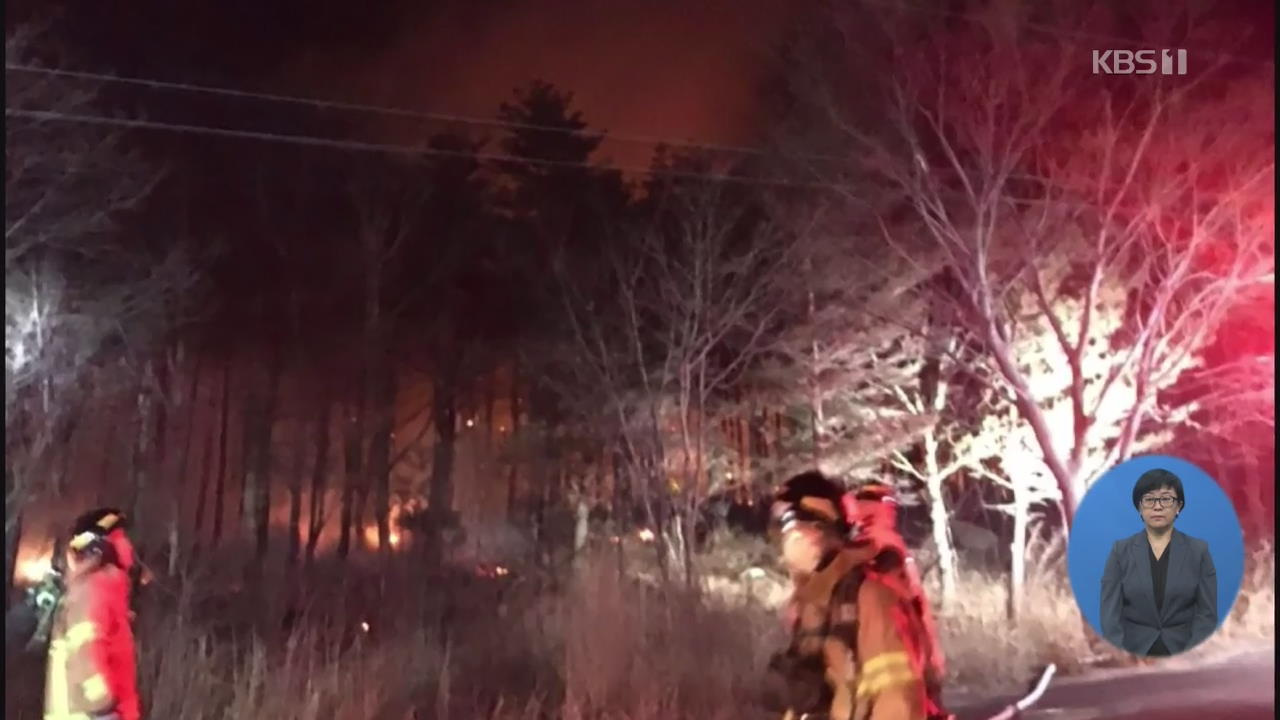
point(678, 70)
point(659, 68)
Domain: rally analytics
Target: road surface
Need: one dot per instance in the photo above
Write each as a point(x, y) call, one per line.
point(1241, 687)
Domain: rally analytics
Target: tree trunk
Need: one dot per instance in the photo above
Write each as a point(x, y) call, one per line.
point(63, 464)
point(581, 526)
point(940, 520)
point(758, 443)
point(140, 458)
point(164, 377)
point(379, 464)
point(184, 460)
point(319, 474)
point(618, 502)
point(360, 512)
point(1018, 552)
point(12, 541)
point(353, 447)
point(202, 492)
point(490, 401)
point(686, 546)
point(220, 490)
point(440, 497)
point(175, 538)
point(817, 418)
point(297, 472)
point(255, 475)
point(109, 451)
point(1067, 477)
point(262, 524)
point(295, 495)
point(513, 471)
point(250, 426)
point(620, 513)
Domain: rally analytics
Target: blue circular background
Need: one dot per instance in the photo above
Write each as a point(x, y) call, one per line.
point(1106, 514)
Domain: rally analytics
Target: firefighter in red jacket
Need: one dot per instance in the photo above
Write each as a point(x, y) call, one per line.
point(863, 645)
point(92, 667)
point(872, 511)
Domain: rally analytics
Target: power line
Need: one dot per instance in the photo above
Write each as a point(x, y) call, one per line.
point(394, 111)
point(420, 151)
point(393, 149)
point(319, 103)
point(386, 148)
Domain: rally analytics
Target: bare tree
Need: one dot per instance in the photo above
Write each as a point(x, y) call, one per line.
point(1098, 232)
point(75, 290)
point(684, 309)
point(388, 204)
point(317, 508)
point(259, 428)
point(877, 355)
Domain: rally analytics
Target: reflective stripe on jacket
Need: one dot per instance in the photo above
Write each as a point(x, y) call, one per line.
point(880, 657)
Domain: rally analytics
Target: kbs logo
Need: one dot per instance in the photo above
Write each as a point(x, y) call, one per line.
point(1139, 62)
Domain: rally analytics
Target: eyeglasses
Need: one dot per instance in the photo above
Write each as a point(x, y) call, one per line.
point(1164, 502)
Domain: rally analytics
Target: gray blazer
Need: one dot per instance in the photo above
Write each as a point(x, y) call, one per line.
point(1190, 612)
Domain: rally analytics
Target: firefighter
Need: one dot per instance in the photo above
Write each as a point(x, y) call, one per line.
point(861, 649)
point(872, 510)
point(92, 669)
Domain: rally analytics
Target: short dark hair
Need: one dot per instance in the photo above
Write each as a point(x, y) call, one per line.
point(1154, 480)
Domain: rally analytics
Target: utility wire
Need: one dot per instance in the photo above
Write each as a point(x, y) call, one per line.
point(393, 149)
point(396, 112)
point(412, 151)
point(584, 133)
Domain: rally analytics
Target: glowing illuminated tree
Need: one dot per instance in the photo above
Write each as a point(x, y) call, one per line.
point(854, 328)
point(902, 389)
point(871, 369)
point(1098, 229)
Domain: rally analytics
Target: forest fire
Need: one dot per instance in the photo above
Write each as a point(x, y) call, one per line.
point(487, 570)
point(371, 537)
point(32, 571)
point(427, 354)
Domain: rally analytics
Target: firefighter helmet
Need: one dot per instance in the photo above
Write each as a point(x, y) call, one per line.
point(872, 504)
point(809, 497)
point(875, 490)
point(91, 534)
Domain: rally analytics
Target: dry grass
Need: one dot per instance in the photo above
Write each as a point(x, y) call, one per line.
point(1251, 621)
point(599, 646)
point(985, 650)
